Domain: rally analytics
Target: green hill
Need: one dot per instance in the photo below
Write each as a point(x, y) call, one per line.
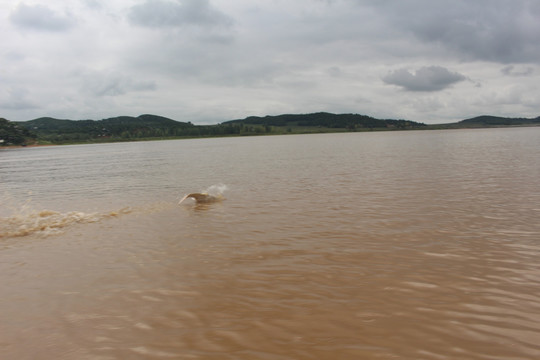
point(121, 127)
point(126, 128)
point(487, 120)
point(58, 131)
point(13, 134)
point(327, 120)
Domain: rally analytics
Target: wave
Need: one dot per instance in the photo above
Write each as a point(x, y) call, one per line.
point(48, 222)
point(25, 220)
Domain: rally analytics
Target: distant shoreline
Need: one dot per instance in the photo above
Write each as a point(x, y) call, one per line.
point(48, 131)
point(451, 126)
point(26, 146)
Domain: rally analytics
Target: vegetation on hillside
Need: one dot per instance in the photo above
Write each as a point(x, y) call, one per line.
point(118, 128)
point(56, 131)
point(486, 120)
point(13, 134)
point(128, 128)
point(328, 120)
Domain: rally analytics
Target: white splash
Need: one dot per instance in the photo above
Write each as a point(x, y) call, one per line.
point(26, 220)
point(216, 190)
point(213, 194)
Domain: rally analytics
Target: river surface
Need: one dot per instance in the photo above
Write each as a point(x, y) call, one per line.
point(386, 245)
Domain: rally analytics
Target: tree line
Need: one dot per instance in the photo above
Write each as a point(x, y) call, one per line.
point(127, 128)
point(13, 134)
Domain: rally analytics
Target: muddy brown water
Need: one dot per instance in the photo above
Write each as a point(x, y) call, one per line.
point(394, 245)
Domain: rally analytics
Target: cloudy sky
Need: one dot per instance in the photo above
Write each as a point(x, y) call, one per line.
point(208, 61)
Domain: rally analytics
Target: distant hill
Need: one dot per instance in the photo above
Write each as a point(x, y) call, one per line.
point(487, 120)
point(121, 127)
point(126, 128)
point(327, 120)
point(114, 124)
point(58, 131)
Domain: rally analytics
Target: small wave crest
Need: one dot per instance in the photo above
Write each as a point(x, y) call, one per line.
point(48, 222)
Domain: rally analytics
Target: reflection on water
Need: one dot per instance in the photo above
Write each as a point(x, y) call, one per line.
point(410, 245)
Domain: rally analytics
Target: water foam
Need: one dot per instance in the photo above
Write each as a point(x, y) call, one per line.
point(48, 222)
point(211, 195)
point(216, 190)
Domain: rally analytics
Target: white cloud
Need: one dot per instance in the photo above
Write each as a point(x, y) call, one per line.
point(16, 98)
point(213, 60)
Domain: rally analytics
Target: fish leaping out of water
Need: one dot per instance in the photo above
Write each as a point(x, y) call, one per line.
point(202, 198)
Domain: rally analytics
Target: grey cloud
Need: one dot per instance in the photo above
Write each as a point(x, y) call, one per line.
point(93, 4)
point(113, 84)
point(493, 30)
point(274, 56)
point(39, 17)
point(511, 70)
point(430, 78)
point(163, 13)
point(334, 71)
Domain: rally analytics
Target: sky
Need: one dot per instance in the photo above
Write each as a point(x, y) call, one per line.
point(209, 61)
